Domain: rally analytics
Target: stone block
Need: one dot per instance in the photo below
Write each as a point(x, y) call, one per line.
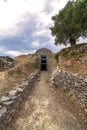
point(4, 98)
point(7, 103)
point(3, 111)
point(20, 89)
point(13, 92)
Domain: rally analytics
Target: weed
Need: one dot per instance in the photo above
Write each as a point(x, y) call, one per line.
point(18, 71)
point(11, 72)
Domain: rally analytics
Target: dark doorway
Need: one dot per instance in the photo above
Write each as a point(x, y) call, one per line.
point(43, 62)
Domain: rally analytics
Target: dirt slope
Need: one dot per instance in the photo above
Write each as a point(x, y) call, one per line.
point(24, 65)
point(48, 108)
point(74, 59)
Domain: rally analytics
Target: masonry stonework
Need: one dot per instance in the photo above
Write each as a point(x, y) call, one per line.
point(74, 82)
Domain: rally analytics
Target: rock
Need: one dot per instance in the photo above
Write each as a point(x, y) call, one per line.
point(83, 118)
point(85, 80)
point(4, 98)
point(8, 103)
point(80, 114)
point(32, 77)
point(12, 97)
point(85, 94)
point(25, 82)
point(86, 110)
point(0, 106)
point(20, 89)
point(13, 92)
point(74, 82)
point(3, 111)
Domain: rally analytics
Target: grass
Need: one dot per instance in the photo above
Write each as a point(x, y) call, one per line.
point(17, 71)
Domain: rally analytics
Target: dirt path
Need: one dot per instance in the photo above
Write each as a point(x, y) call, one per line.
point(48, 108)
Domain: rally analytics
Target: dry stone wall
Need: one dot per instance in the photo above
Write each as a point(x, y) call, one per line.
point(74, 82)
point(10, 103)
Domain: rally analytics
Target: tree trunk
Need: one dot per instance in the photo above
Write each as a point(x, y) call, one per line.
point(72, 41)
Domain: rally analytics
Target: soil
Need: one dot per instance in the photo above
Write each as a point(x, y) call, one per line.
point(48, 108)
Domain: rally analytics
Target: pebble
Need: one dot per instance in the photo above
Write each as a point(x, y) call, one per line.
point(86, 110)
point(80, 114)
point(83, 118)
point(85, 80)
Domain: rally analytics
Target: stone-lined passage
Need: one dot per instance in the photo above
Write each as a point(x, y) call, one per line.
point(10, 103)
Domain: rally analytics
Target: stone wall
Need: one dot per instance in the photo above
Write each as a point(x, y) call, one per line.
point(74, 82)
point(10, 103)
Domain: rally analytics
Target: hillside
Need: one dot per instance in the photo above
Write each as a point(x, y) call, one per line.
point(57, 87)
point(74, 59)
point(24, 66)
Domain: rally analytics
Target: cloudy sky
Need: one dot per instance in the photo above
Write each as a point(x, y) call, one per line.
point(24, 25)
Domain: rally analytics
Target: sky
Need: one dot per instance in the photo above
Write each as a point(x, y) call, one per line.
point(24, 25)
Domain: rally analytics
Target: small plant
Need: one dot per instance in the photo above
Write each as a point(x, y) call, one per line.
point(18, 71)
point(57, 57)
point(11, 72)
point(73, 54)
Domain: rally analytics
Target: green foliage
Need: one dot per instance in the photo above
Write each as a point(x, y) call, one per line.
point(11, 72)
point(18, 71)
point(70, 23)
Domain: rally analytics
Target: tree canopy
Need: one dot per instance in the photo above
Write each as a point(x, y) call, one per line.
point(70, 23)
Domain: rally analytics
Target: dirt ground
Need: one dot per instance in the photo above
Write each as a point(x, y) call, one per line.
point(48, 108)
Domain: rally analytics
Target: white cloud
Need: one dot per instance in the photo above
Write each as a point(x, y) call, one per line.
point(2, 49)
point(17, 53)
point(35, 44)
point(14, 53)
point(28, 20)
point(41, 32)
point(12, 11)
